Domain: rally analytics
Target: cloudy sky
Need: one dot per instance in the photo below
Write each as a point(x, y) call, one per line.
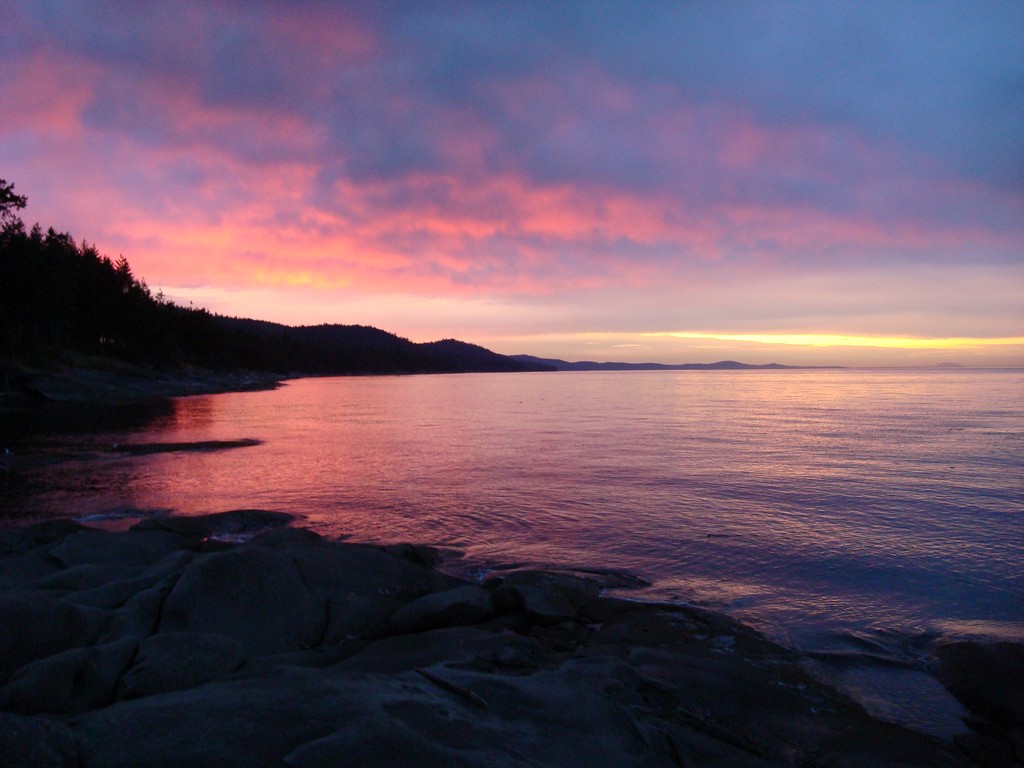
point(813, 182)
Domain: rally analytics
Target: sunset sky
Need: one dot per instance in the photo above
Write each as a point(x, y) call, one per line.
point(814, 182)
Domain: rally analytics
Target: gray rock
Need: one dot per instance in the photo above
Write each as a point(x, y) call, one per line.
point(117, 593)
point(76, 680)
point(566, 716)
point(988, 678)
point(456, 646)
point(277, 538)
point(469, 604)
point(363, 585)
point(25, 567)
point(34, 626)
point(242, 721)
point(177, 661)
point(359, 617)
point(507, 598)
point(415, 553)
point(14, 540)
point(86, 577)
point(305, 717)
point(170, 565)
point(45, 532)
point(561, 677)
point(335, 569)
point(137, 618)
point(255, 596)
point(34, 742)
point(549, 598)
point(121, 548)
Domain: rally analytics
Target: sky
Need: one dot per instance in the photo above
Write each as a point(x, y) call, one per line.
point(804, 183)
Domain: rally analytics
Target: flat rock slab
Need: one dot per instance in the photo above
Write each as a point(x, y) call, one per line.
point(469, 604)
point(91, 547)
point(35, 742)
point(77, 680)
point(177, 661)
point(371, 719)
point(256, 597)
point(33, 627)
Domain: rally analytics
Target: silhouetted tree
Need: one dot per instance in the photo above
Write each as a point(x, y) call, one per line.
point(58, 296)
point(9, 204)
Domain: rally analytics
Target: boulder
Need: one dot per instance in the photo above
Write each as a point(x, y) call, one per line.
point(548, 598)
point(988, 679)
point(45, 532)
point(253, 595)
point(34, 742)
point(85, 577)
point(77, 680)
point(359, 617)
point(416, 553)
point(177, 661)
point(14, 540)
point(34, 626)
point(25, 567)
point(103, 586)
point(137, 618)
point(336, 569)
point(468, 604)
point(138, 548)
point(117, 592)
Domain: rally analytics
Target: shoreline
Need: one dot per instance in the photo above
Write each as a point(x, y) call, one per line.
point(124, 646)
point(120, 383)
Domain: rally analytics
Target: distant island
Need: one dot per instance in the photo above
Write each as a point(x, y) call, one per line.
point(721, 365)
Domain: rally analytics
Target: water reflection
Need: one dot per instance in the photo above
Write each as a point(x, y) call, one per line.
point(193, 412)
point(24, 427)
point(820, 506)
point(843, 498)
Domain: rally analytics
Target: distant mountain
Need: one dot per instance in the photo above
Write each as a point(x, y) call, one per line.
point(588, 365)
point(64, 305)
point(357, 349)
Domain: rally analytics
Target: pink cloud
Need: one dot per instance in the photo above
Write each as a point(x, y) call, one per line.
point(329, 151)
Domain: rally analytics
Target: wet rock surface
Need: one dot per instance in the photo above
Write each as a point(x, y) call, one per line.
point(161, 646)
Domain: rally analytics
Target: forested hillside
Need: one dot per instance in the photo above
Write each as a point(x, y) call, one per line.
point(59, 296)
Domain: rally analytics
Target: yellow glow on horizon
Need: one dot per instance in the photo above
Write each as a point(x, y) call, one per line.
point(838, 340)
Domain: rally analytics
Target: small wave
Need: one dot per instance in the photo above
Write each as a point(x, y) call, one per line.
point(121, 513)
point(232, 538)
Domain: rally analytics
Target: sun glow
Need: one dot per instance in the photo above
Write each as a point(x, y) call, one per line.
point(837, 340)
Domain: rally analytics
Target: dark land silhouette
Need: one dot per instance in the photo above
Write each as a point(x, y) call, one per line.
point(63, 304)
point(590, 365)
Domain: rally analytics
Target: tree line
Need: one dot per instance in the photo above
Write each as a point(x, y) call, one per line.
point(58, 296)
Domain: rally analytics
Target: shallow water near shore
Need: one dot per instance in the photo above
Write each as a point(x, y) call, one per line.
point(858, 516)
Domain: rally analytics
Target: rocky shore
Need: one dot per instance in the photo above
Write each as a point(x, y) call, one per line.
point(238, 640)
point(119, 382)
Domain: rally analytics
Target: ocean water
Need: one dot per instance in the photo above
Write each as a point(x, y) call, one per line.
point(856, 515)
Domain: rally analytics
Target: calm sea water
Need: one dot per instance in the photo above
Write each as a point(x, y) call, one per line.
point(867, 512)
